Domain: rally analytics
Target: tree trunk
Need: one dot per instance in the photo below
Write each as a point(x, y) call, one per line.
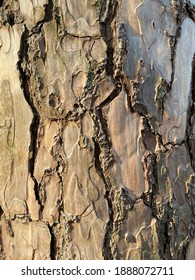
point(97, 129)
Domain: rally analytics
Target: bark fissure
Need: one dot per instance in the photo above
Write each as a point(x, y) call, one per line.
point(97, 129)
point(190, 139)
point(23, 58)
point(107, 250)
point(107, 18)
point(191, 110)
point(108, 11)
point(52, 243)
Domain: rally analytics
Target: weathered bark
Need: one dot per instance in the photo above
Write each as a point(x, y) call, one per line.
point(97, 129)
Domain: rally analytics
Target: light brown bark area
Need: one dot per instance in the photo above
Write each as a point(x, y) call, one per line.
point(97, 129)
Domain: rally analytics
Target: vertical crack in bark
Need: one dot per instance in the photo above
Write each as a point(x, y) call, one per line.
point(164, 229)
point(48, 11)
point(23, 59)
point(173, 43)
point(53, 251)
point(150, 200)
point(2, 254)
point(105, 18)
point(64, 227)
point(190, 9)
point(107, 250)
point(190, 139)
point(108, 10)
point(34, 127)
point(48, 16)
point(116, 41)
point(190, 121)
point(107, 15)
point(25, 79)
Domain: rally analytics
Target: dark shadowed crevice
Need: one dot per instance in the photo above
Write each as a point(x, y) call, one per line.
point(108, 11)
point(190, 9)
point(107, 14)
point(53, 252)
point(190, 143)
point(24, 78)
point(1, 212)
point(25, 74)
point(48, 11)
point(2, 255)
point(107, 250)
point(48, 16)
point(191, 119)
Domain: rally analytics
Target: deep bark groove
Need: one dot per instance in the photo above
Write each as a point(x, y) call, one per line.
point(97, 129)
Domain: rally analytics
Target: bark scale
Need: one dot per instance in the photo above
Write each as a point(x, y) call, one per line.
point(97, 129)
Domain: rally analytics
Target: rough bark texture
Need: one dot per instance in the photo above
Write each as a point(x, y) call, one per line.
point(97, 129)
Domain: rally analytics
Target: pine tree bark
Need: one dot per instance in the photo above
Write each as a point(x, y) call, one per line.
point(97, 129)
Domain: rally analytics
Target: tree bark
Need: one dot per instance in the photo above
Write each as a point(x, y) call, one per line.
point(97, 129)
